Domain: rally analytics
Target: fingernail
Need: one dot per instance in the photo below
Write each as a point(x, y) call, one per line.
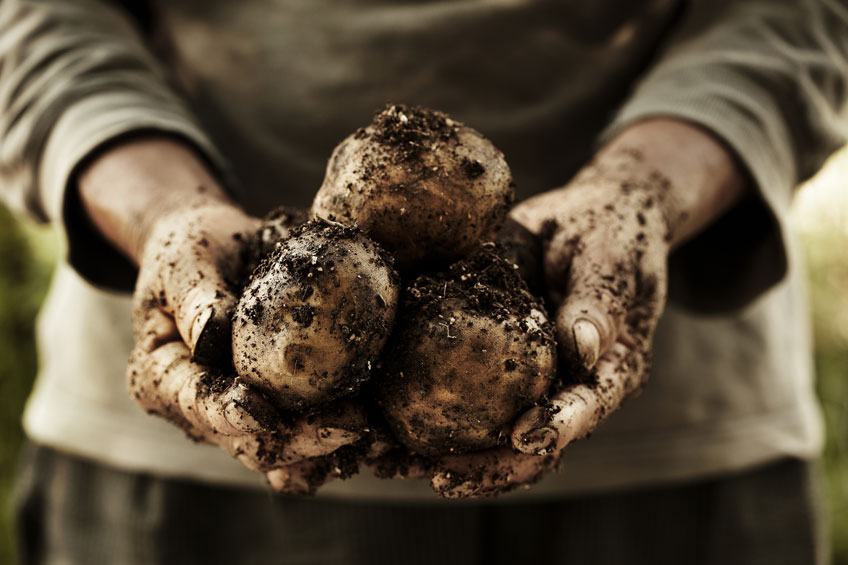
point(199, 324)
point(240, 419)
point(587, 341)
point(540, 441)
point(211, 334)
point(334, 438)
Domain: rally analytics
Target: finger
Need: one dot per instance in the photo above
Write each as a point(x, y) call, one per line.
point(488, 473)
point(190, 301)
point(392, 462)
point(300, 479)
point(203, 309)
point(229, 406)
point(594, 309)
point(315, 438)
point(577, 410)
point(167, 382)
point(155, 378)
point(156, 329)
point(165, 379)
point(209, 407)
point(305, 477)
point(318, 435)
point(190, 272)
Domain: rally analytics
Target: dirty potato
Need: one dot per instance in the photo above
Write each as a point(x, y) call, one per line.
point(426, 187)
point(315, 315)
point(472, 350)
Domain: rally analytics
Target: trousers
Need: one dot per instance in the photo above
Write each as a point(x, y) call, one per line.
point(71, 510)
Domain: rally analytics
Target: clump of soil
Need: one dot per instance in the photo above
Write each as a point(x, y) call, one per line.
point(409, 130)
point(488, 284)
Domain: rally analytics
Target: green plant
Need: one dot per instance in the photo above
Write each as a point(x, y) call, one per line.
point(25, 264)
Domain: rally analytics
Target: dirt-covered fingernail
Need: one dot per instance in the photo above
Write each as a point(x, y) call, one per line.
point(587, 341)
point(199, 324)
point(212, 332)
point(240, 419)
point(539, 441)
point(334, 438)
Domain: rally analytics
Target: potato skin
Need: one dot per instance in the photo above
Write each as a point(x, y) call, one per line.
point(460, 369)
point(426, 187)
point(315, 315)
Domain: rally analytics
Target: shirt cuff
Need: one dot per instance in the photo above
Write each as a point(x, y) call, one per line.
point(743, 253)
point(82, 130)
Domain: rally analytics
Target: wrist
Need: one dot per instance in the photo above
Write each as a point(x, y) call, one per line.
point(621, 193)
point(131, 187)
point(693, 178)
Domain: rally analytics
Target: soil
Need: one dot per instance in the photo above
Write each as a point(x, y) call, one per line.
point(486, 282)
point(411, 130)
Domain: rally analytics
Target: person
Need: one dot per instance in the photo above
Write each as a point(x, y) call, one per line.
point(655, 146)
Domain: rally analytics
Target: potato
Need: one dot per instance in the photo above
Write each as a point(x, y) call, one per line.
point(426, 187)
point(315, 315)
point(471, 350)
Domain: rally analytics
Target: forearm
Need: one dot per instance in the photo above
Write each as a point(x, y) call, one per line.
point(694, 178)
point(128, 186)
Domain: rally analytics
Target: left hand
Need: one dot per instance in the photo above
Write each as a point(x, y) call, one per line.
point(606, 247)
point(607, 235)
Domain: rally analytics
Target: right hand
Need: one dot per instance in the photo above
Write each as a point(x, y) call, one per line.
point(182, 308)
point(152, 198)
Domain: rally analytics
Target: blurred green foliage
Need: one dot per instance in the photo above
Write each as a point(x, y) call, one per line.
point(827, 257)
point(27, 254)
point(26, 257)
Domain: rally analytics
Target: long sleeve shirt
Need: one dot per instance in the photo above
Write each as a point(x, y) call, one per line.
point(264, 90)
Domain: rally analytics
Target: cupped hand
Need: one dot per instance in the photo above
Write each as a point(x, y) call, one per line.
point(606, 242)
point(189, 271)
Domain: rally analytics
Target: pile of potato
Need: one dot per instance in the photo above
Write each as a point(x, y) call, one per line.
point(394, 287)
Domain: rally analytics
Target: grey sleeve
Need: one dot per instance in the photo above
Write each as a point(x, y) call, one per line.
point(769, 79)
point(74, 76)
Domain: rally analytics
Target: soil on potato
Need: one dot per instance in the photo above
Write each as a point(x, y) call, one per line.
point(308, 268)
point(486, 281)
point(406, 138)
point(488, 286)
point(410, 130)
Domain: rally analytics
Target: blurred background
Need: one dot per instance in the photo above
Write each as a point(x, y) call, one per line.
point(820, 216)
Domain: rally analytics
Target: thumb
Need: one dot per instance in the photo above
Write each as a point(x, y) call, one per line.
point(192, 261)
point(593, 312)
point(203, 315)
